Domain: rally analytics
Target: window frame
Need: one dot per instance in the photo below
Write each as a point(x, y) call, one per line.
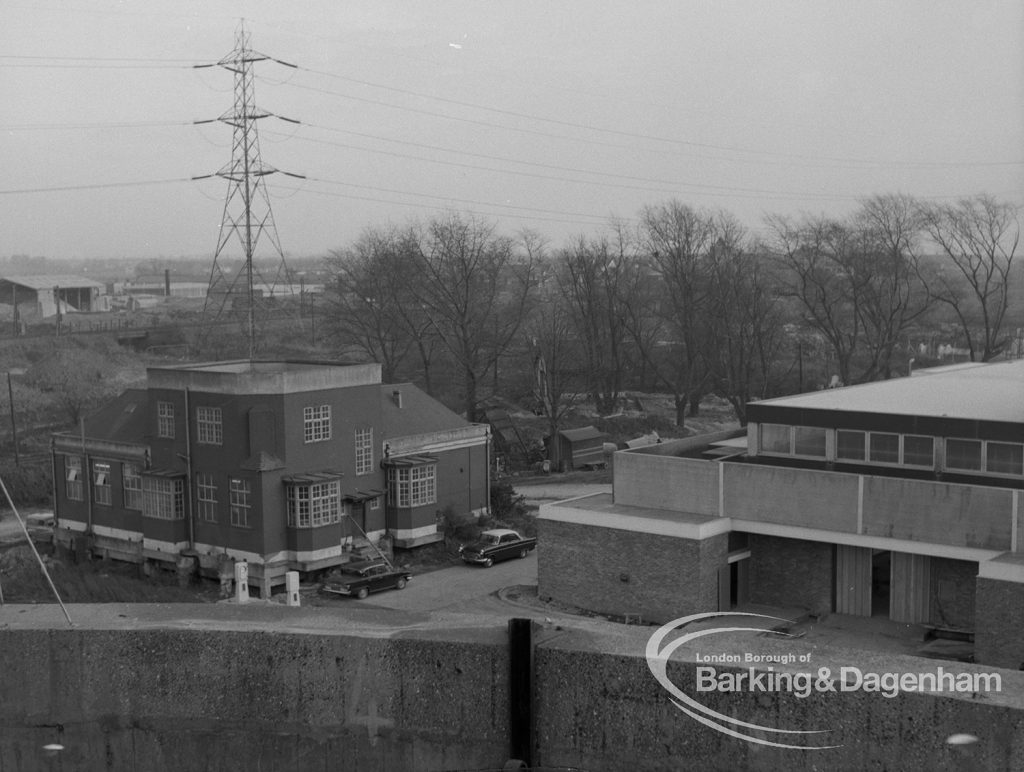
point(364, 451)
point(314, 504)
point(165, 420)
point(206, 497)
point(209, 425)
point(240, 498)
point(163, 498)
point(102, 491)
point(131, 485)
point(413, 486)
point(74, 488)
point(316, 423)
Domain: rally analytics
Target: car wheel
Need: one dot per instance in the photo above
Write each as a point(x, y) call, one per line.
point(400, 584)
point(488, 562)
point(363, 592)
point(524, 552)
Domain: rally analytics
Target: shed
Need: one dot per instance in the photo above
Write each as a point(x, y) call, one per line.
point(37, 297)
point(576, 448)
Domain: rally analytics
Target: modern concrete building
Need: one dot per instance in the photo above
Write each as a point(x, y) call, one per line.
point(899, 498)
point(285, 465)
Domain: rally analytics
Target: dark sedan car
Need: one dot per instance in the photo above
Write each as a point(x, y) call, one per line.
point(360, 579)
point(496, 544)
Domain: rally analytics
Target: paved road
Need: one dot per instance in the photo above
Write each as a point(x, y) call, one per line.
point(459, 588)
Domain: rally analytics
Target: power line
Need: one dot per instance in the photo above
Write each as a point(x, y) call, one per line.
point(94, 186)
point(636, 135)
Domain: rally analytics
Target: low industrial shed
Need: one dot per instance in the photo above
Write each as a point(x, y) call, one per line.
point(576, 448)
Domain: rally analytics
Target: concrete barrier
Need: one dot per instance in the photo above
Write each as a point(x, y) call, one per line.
point(168, 697)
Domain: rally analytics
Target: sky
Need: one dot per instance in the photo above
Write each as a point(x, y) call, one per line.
point(551, 117)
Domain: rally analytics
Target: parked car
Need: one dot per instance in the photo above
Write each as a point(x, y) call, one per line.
point(495, 545)
point(360, 579)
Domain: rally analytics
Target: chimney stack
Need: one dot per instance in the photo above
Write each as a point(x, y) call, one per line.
point(397, 395)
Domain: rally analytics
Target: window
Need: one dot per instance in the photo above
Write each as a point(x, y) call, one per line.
point(101, 482)
point(775, 438)
point(316, 423)
point(413, 486)
point(315, 504)
point(963, 454)
point(374, 503)
point(241, 502)
point(73, 477)
point(918, 451)
point(884, 448)
point(850, 445)
point(1004, 458)
point(131, 484)
point(165, 420)
point(364, 451)
point(163, 498)
point(809, 441)
point(206, 497)
point(208, 424)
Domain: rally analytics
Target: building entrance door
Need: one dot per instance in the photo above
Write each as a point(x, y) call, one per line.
point(853, 580)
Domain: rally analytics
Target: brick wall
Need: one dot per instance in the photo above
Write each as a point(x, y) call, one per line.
point(952, 592)
point(791, 572)
point(998, 622)
point(620, 572)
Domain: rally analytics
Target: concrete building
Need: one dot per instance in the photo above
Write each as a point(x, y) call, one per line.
point(899, 498)
point(285, 465)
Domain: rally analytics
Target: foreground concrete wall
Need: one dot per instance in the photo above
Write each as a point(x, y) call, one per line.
point(604, 711)
point(419, 700)
point(215, 700)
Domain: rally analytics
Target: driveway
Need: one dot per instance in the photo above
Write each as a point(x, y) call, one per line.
point(458, 588)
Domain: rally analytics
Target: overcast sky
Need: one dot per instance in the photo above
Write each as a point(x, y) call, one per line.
point(553, 116)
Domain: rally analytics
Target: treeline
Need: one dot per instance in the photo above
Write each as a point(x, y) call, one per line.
point(684, 300)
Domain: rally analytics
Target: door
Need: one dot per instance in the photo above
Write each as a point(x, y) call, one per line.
point(910, 598)
point(853, 580)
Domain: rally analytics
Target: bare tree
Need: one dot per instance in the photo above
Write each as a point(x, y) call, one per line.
point(677, 239)
point(596, 278)
point(474, 286)
point(979, 237)
point(372, 283)
point(745, 324)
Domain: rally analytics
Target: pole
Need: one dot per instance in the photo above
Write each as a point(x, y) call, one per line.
point(14, 425)
point(312, 320)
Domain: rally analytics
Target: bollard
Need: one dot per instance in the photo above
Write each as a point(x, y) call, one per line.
point(291, 583)
point(242, 582)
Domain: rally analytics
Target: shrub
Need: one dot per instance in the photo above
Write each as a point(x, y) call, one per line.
point(30, 484)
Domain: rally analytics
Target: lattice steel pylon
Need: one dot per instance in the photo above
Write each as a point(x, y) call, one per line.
point(247, 211)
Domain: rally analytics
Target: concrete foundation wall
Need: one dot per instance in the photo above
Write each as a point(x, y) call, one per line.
point(999, 623)
point(791, 572)
point(189, 700)
point(618, 572)
point(178, 699)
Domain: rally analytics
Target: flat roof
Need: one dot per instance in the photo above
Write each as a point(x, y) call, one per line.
point(263, 377)
point(985, 392)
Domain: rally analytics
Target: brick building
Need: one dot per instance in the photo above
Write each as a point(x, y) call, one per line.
point(286, 465)
point(900, 498)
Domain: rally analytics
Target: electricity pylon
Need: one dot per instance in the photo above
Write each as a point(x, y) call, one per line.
point(247, 211)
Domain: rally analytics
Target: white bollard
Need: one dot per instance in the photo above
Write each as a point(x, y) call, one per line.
point(242, 582)
point(291, 583)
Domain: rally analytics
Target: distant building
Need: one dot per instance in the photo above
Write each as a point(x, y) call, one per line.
point(900, 498)
point(286, 465)
point(40, 297)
